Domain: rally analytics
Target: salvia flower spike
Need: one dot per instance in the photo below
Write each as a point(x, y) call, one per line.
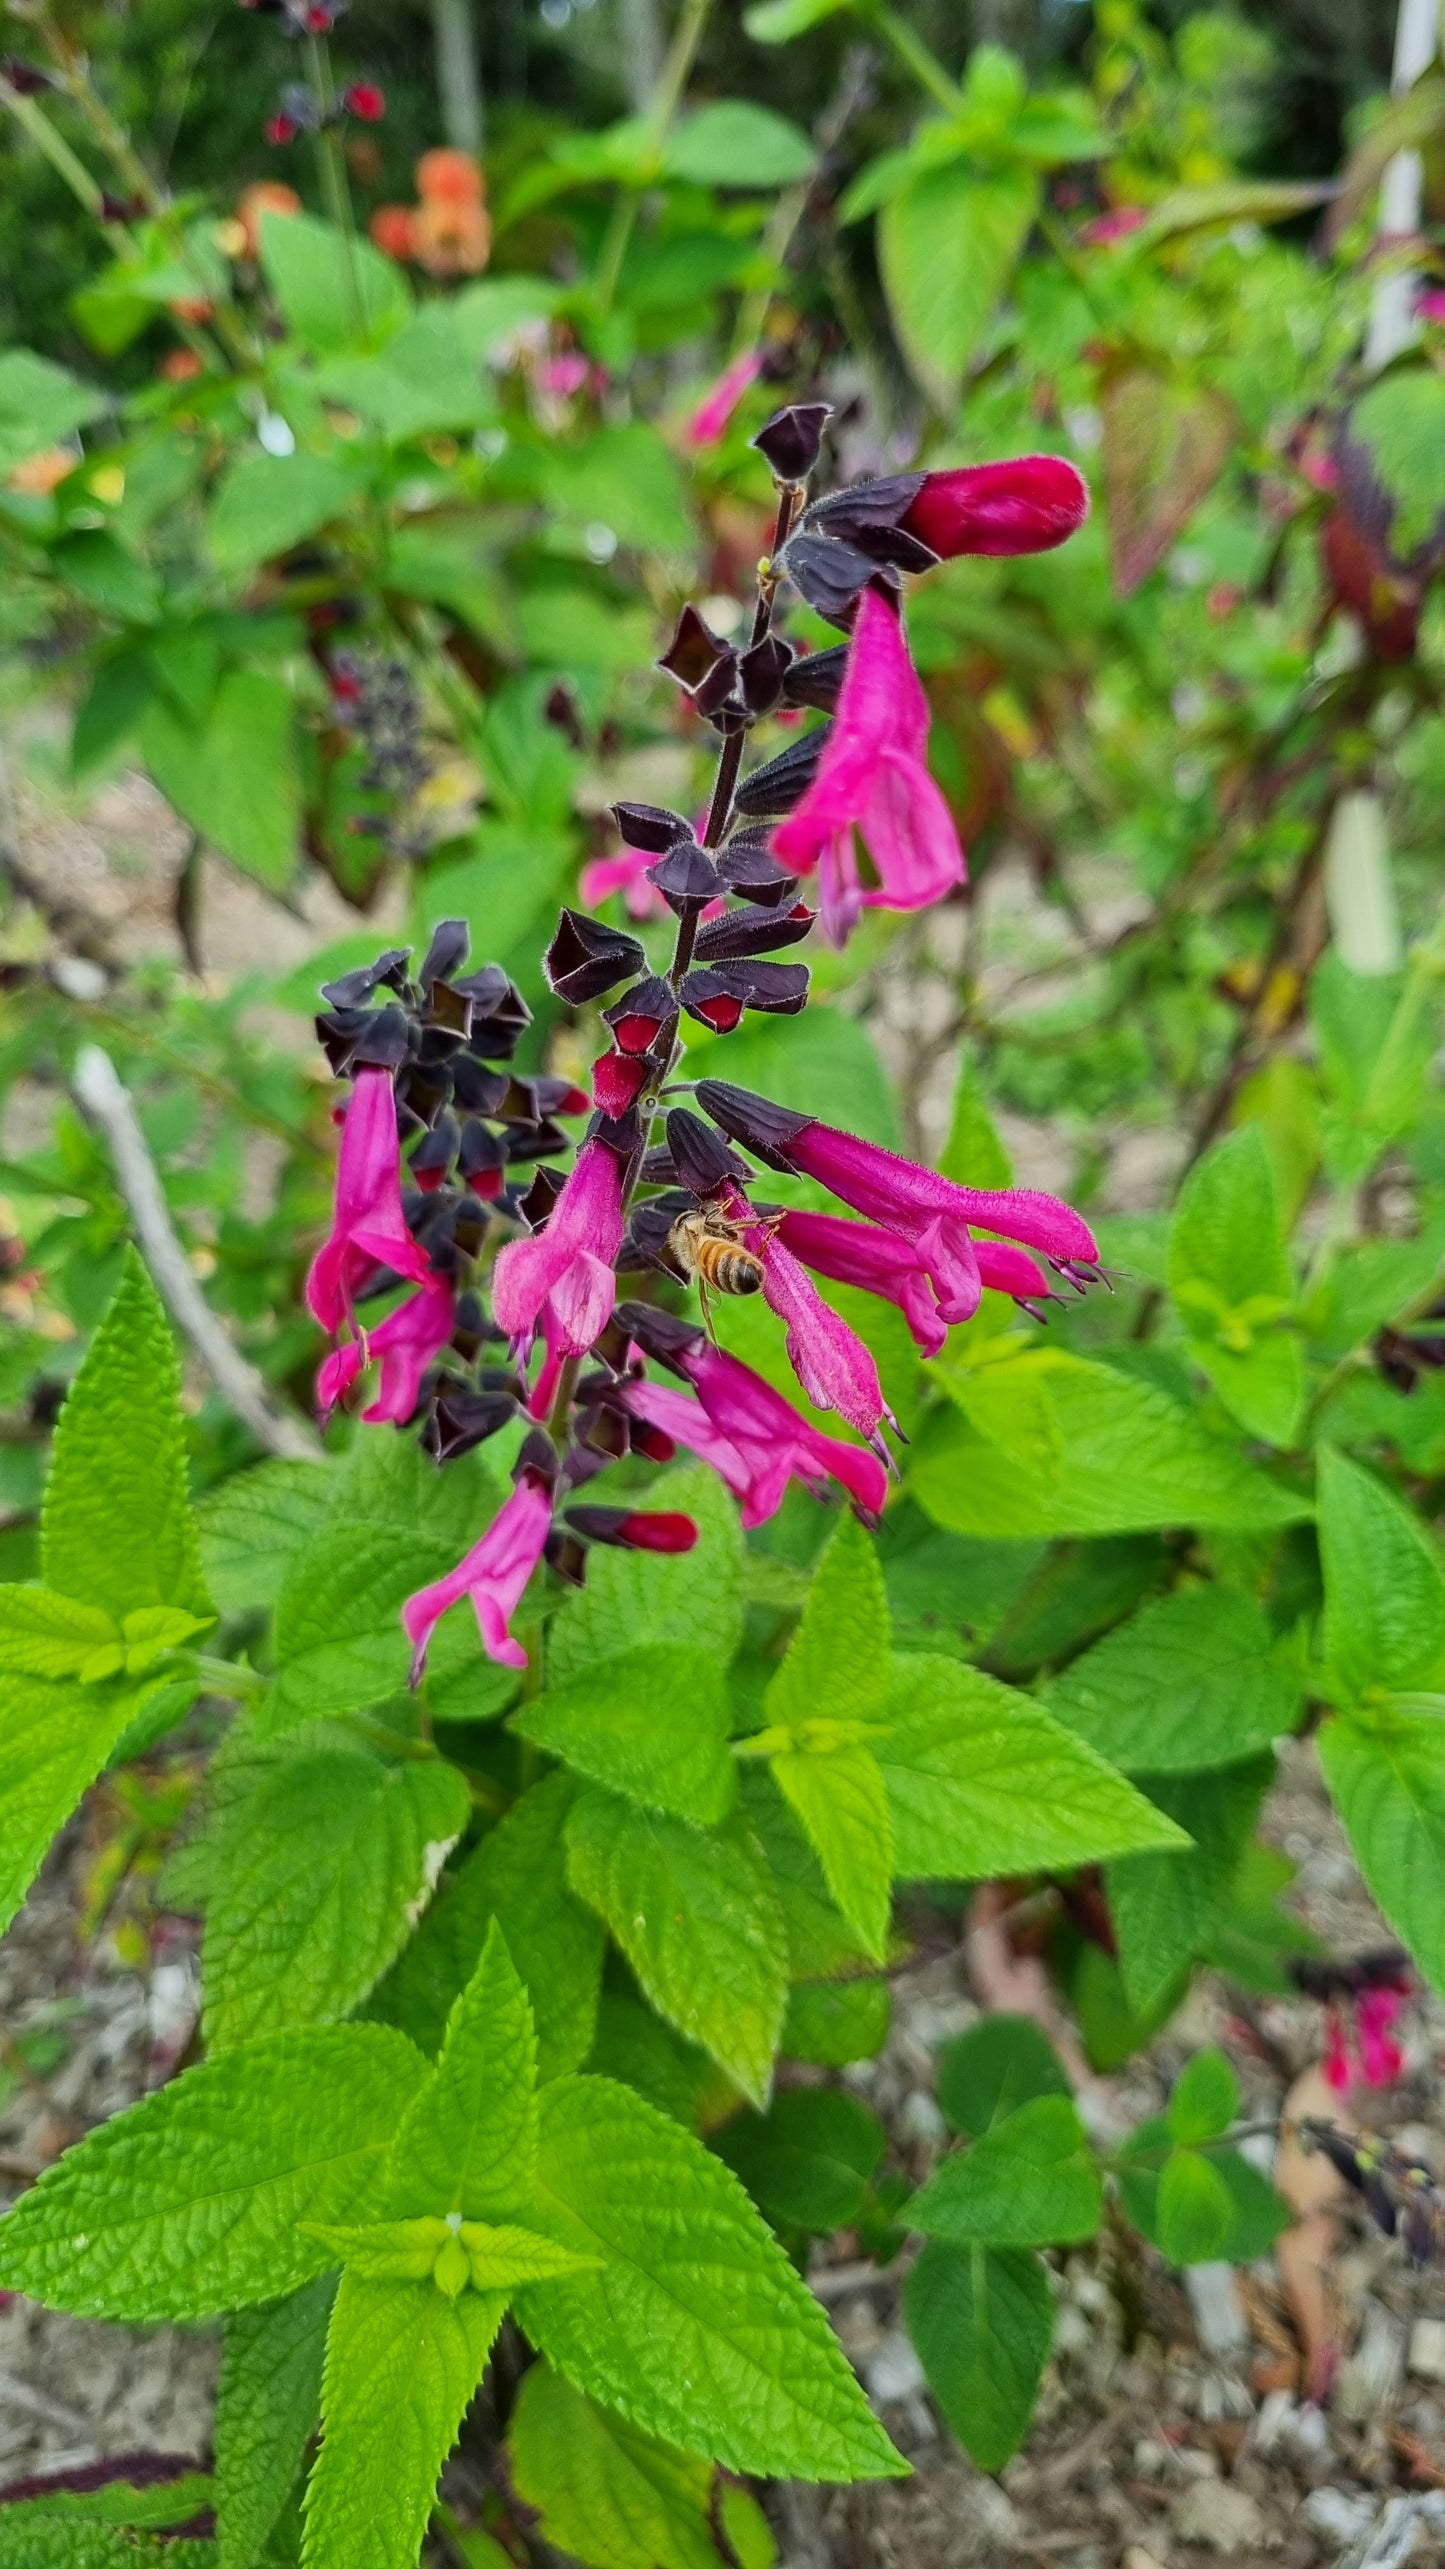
point(502, 1264)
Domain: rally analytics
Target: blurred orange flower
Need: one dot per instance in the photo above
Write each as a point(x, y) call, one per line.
point(449, 177)
point(390, 229)
point(267, 196)
point(37, 476)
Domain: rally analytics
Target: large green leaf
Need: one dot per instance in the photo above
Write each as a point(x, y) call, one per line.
point(1232, 1285)
point(734, 143)
point(821, 1943)
point(947, 244)
point(839, 1795)
point(692, 1600)
point(1051, 1443)
point(39, 404)
point(235, 775)
point(651, 1723)
point(54, 1740)
point(698, 2330)
point(1187, 1683)
point(469, 2140)
point(188, 2203)
point(116, 1530)
point(334, 292)
point(603, 2491)
point(266, 503)
point(319, 1875)
point(394, 1524)
point(808, 2160)
point(998, 2065)
point(268, 2401)
point(982, 2320)
point(1028, 2182)
point(1388, 1784)
point(1166, 1907)
point(518, 1875)
point(1384, 1623)
point(837, 1662)
point(697, 1916)
point(252, 1527)
point(835, 1675)
point(982, 1782)
point(402, 2362)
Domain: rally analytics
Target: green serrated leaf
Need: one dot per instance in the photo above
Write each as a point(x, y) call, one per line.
point(997, 2066)
point(518, 1875)
point(252, 1527)
point(1187, 1683)
point(604, 2492)
point(116, 1529)
point(1052, 1443)
point(1233, 1287)
point(1384, 1622)
point(318, 1877)
point(981, 1782)
point(187, 2204)
point(43, 1634)
point(1388, 1786)
point(947, 243)
point(809, 2159)
point(1204, 2099)
point(267, 2403)
point(469, 2142)
point(840, 1797)
point(1194, 2213)
point(652, 1723)
point(696, 1914)
point(394, 1523)
point(821, 1944)
point(402, 2362)
point(698, 2330)
point(1030, 2181)
point(982, 2321)
point(692, 1600)
point(837, 1661)
point(54, 1741)
point(1165, 1907)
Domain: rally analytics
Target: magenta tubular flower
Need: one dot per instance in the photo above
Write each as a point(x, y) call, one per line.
point(493, 1574)
point(872, 777)
point(753, 1438)
point(403, 1344)
point(563, 1276)
point(830, 1360)
point(857, 1253)
point(1000, 509)
point(368, 1227)
point(710, 419)
point(1373, 2058)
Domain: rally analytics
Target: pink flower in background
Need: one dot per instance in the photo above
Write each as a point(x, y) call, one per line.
point(1027, 506)
point(710, 419)
point(562, 1277)
point(872, 777)
point(368, 1227)
point(403, 1344)
point(563, 375)
point(1116, 225)
point(754, 1438)
point(1430, 303)
point(857, 1253)
point(1373, 2058)
point(493, 1574)
point(625, 873)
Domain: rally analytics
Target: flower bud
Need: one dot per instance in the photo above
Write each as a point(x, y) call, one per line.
point(773, 789)
point(617, 1080)
point(700, 1158)
point(717, 994)
point(751, 931)
point(650, 826)
point(585, 958)
point(790, 441)
point(635, 1529)
point(640, 1017)
point(694, 651)
point(364, 100)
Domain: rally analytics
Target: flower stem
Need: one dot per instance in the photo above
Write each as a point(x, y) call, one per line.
point(228, 1676)
point(680, 57)
point(920, 59)
point(331, 170)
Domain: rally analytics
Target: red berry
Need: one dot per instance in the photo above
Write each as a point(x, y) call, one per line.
point(366, 101)
point(280, 129)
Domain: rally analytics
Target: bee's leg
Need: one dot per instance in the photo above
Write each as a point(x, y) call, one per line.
point(705, 1298)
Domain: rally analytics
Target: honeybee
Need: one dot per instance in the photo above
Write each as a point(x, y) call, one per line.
point(710, 1247)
